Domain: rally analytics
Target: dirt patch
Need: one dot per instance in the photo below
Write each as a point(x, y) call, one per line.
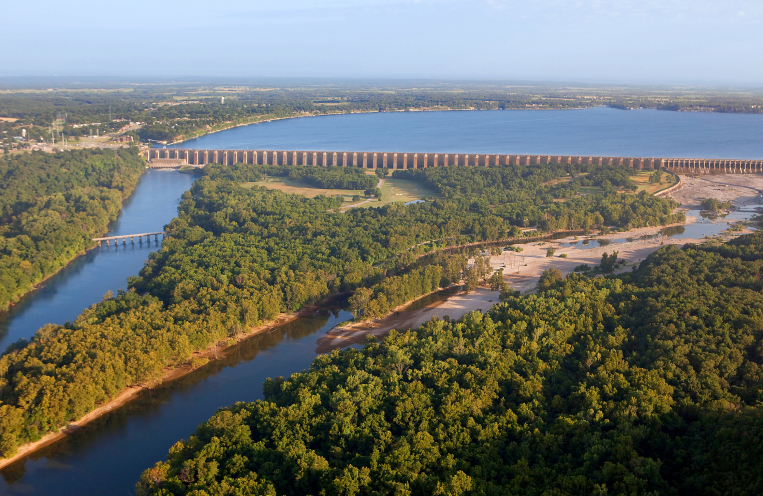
point(454, 307)
point(522, 270)
point(741, 189)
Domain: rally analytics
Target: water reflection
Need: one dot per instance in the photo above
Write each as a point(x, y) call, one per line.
point(108, 455)
point(88, 277)
point(673, 231)
point(709, 226)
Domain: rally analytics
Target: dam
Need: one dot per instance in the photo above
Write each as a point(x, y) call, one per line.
point(176, 157)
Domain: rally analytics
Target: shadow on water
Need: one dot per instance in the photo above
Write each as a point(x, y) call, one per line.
point(673, 231)
point(706, 226)
point(107, 455)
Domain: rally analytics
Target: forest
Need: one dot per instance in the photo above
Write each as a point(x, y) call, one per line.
point(644, 383)
point(236, 257)
point(51, 205)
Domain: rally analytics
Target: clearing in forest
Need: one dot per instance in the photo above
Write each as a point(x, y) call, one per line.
point(393, 190)
point(642, 181)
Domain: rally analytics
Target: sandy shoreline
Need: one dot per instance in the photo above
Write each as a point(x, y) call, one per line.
point(213, 352)
point(522, 270)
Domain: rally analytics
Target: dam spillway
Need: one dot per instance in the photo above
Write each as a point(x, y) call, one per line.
point(175, 157)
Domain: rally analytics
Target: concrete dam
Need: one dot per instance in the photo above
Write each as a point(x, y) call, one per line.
point(177, 157)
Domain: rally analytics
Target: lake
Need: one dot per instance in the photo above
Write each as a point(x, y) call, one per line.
point(598, 131)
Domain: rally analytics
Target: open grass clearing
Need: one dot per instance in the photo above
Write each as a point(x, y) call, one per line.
point(402, 190)
point(642, 181)
point(393, 190)
point(299, 188)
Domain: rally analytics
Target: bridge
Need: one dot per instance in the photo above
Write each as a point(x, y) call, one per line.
point(132, 237)
point(175, 157)
point(167, 163)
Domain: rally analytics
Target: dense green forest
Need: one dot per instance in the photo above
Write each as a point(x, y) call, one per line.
point(645, 383)
point(236, 257)
point(51, 205)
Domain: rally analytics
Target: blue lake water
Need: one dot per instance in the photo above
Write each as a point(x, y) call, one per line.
point(108, 455)
point(598, 131)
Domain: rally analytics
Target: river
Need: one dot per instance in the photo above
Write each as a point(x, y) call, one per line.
point(84, 281)
point(108, 455)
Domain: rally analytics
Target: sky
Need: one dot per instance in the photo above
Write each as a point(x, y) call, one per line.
point(604, 41)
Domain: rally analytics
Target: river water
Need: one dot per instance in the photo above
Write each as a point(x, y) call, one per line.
point(83, 282)
point(108, 455)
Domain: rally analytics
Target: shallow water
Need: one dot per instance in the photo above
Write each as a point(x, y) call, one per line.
point(705, 226)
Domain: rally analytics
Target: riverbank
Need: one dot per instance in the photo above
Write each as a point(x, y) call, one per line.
point(523, 269)
point(214, 351)
point(454, 307)
point(66, 259)
point(533, 263)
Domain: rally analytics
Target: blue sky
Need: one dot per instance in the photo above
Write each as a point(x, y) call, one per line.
point(619, 41)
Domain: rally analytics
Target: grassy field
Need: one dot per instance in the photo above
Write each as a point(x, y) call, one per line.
point(289, 186)
point(393, 190)
point(642, 181)
point(396, 190)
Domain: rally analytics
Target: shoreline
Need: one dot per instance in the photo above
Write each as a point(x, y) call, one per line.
point(524, 279)
point(41, 283)
point(131, 392)
point(457, 305)
point(454, 304)
point(366, 112)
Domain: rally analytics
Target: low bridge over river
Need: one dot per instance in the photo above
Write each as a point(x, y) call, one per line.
point(131, 237)
point(174, 157)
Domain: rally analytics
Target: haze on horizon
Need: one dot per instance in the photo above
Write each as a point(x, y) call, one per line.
point(626, 41)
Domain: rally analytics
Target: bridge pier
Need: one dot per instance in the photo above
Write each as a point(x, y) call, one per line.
point(411, 160)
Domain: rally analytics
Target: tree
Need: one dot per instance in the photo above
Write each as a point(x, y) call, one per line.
point(715, 205)
point(482, 267)
point(608, 262)
point(359, 301)
point(471, 279)
point(496, 280)
point(507, 292)
point(549, 277)
point(550, 252)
